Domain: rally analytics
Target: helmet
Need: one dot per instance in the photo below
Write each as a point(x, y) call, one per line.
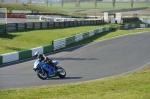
point(36, 54)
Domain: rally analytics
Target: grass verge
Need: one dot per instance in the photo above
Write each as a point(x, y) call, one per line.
point(134, 85)
point(69, 7)
point(101, 6)
point(17, 41)
point(19, 6)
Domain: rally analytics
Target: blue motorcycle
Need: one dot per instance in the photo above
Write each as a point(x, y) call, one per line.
point(44, 70)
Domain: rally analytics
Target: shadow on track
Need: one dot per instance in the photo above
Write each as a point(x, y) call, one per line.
point(66, 78)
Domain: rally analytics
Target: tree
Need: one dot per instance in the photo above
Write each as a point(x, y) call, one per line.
point(95, 3)
point(131, 1)
point(113, 3)
point(62, 3)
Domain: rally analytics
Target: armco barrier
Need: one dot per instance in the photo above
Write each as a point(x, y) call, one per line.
point(47, 48)
point(2, 29)
point(39, 49)
point(91, 33)
point(25, 54)
point(78, 37)
point(1, 59)
point(43, 25)
point(14, 56)
point(11, 27)
point(129, 26)
point(62, 43)
point(21, 26)
point(9, 57)
point(70, 40)
point(30, 25)
point(85, 35)
point(57, 44)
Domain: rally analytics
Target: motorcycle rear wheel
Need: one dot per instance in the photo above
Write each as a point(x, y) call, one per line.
point(42, 74)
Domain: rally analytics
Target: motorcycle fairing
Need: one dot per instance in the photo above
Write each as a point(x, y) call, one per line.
point(45, 66)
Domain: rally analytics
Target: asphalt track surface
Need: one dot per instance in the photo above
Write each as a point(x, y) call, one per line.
point(16, 20)
point(87, 62)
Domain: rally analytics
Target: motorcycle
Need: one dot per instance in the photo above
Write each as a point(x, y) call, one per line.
point(44, 70)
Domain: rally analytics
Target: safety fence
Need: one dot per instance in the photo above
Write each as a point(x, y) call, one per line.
point(64, 42)
point(2, 28)
point(145, 20)
point(14, 56)
point(129, 19)
point(56, 45)
point(130, 26)
point(45, 25)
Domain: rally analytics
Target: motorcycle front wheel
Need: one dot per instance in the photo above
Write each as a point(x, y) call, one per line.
point(42, 74)
point(61, 72)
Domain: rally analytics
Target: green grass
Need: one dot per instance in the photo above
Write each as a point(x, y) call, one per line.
point(18, 6)
point(17, 41)
point(88, 7)
point(69, 8)
point(134, 85)
point(103, 5)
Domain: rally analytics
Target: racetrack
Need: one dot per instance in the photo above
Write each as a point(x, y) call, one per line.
point(92, 61)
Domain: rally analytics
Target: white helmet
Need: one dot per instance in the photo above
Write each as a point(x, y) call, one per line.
point(36, 54)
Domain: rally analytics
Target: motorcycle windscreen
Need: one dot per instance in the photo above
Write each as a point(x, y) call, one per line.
point(36, 63)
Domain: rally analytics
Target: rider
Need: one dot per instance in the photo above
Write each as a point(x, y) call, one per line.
point(43, 58)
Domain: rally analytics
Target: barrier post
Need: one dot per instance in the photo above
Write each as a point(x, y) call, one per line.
point(47, 25)
point(64, 23)
point(16, 26)
point(73, 23)
point(40, 25)
point(59, 24)
point(25, 24)
point(33, 25)
point(54, 24)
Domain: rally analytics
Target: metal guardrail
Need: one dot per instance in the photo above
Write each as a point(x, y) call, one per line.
point(45, 25)
point(2, 28)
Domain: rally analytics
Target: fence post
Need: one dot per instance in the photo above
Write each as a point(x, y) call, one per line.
point(69, 23)
point(47, 25)
point(33, 25)
point(73, 23)
point(59, 24)
point(77, 23)
point(25, 26)
point(16, 26)
point(5, 31)
point(54, 24)
point(64, 23)
point(40, 25)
